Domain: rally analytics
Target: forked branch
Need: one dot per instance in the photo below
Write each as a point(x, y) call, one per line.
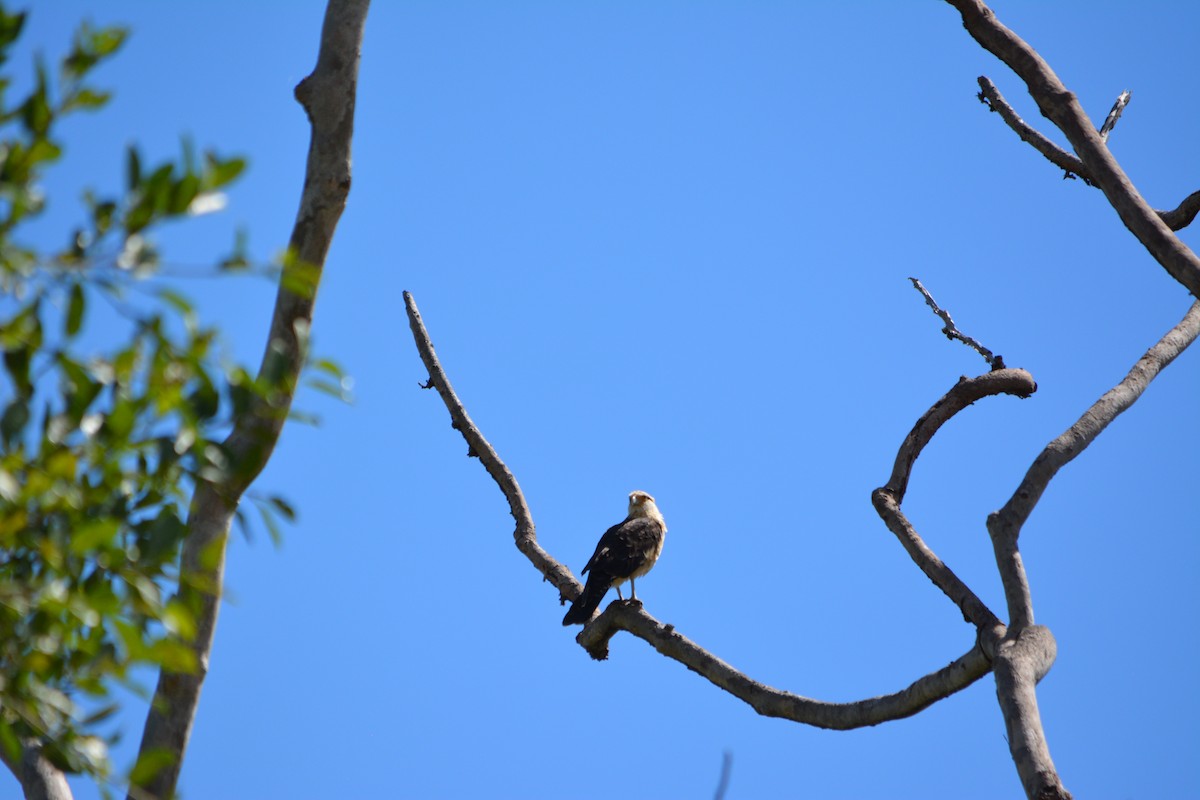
point(1176, 219)
point(631, 617)
point(1062, 108)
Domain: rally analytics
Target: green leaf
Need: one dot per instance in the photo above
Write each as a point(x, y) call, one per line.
point(13, 421)
point(17, 361)
point(217, 173)
point(271, 524)
point(75, 308)
point(100, 715)
point(86, 99)
point(133, 169)
point(93, 535)
point(10, 29)
point(149, 764)
point(163, 535)
point(283, 507)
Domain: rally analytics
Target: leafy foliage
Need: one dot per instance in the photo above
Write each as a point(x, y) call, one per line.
point(99, 449)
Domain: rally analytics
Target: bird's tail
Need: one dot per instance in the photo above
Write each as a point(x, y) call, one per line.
point(581, 610)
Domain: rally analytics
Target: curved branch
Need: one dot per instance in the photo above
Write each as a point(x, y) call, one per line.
point(629, 616)
point(1177, 219)
point(328, 96)
point(1008, 521)
point(1002, 381)
point(1063, 109)
point(770, 702)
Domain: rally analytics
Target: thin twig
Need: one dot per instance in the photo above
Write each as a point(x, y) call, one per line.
point(723, 781)
point(525, 533)
point(952, 332)
point(1176, 219)
point(1115, 114)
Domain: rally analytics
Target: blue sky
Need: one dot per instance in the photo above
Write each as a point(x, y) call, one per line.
point(666, 247)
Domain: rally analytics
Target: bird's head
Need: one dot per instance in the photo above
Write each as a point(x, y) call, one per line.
point(641, 504)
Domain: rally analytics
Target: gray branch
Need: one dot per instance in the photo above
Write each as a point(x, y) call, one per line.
point(328, 98)
point(40, 780)
point(952, 332)
point(1008, 521)
point(629, 616)
point(1176, 219)
point(1115, 114)
point(1062, 108)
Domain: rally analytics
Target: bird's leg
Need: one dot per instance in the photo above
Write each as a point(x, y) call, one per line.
point(632, 590)
point(619, 595)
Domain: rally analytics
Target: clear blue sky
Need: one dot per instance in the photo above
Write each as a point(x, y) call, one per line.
point(665, 246)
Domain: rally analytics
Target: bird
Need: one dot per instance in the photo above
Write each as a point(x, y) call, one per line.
point(626, 551)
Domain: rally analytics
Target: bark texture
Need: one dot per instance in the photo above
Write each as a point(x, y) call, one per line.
point(328, 98)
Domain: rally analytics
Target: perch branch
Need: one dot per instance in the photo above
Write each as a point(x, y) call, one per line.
point(327, 96)
point(629, 616)
point(952, 332)
point(770, 702)
point(1176, 219)
point(1062, 108)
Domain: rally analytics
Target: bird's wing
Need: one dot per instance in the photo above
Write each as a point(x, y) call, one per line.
point(625, 548)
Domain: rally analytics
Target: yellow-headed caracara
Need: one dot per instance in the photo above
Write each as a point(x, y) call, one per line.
point(626, 551)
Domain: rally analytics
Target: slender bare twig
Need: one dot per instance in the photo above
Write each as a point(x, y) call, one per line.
point(1176, 219)
point(631, 617)
point(1115, 114)
point(723, 781)
point(990, 96)
point(1061, 106)
point(479, 447)
point(328, 97)
point(952, 332)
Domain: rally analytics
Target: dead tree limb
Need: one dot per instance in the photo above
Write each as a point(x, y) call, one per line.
point(1176, 219)
point(1061, 107)
point(629, 616)
point(328, 96)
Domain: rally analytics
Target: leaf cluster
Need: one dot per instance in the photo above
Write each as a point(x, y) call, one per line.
point(99, 447)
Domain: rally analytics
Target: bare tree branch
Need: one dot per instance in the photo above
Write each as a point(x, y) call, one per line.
point(525, 533)
point(952, 332)
point(991, 97)
point(1110, 121)
point(1021, 661)
point(328, 96)
point(40, 780)
point(968, 390)
point(1063, 109)
point(1177, 219)
point(629, 615)
point(1008, 521)
point(770, 702)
